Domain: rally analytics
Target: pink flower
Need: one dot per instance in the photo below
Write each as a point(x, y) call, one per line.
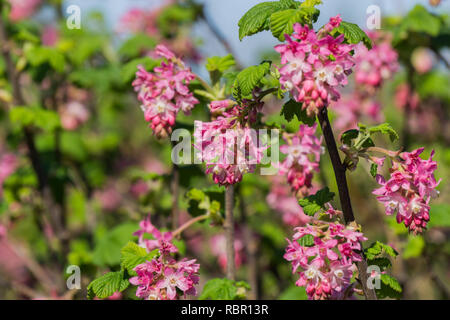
point(303, 151)
point(376, 65)
point(280, 199)
point(326, 267)
point(422, 59)
point(73, 115)
point(50, 36)
point(22, 9)
point(218, 249)
point(408, 191)
point(159, 278)
point(164, 92)
point(404, 97)
point(315, 65)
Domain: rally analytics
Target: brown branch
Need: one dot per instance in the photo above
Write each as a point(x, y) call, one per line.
point(251, 247)
point(188, 224)
point(229, 232)
point(341, 180)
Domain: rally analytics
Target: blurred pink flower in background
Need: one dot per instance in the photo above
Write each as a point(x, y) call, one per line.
point(352, 108)
point(73, 115)
point(22, 9)
point(218, 249)
point(403, 96)
point(50, 36)
point(282, 200)
point(109, 198)
point(422, 59)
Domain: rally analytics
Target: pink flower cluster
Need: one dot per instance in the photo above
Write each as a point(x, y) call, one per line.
point(218, 249)
point(160, 278)
point(8, 164)
point(164, 92)
point(376, 65)
point(409, 189)
point(228, 147)
point(303, 151)
point(23, 9)
point(314, 65)
point(326, 267)
point(281, 199)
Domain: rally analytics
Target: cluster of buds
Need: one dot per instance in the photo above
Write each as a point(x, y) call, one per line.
point(303, 151)
point(163, 278)
point(409, 189)
point(164, 92)
point(315, 65)
point(325, 265)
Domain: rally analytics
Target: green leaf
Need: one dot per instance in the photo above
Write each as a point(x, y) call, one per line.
point(198, 202)
point(414, 247)
point(348, 136)
point(219, 289)
point(314, 203)
point(133, 255)
point(47, 120)
point(354, 34)
point(306, 241)
point(420, 20)
point(218, 65)
point(292, 108)
point(38, 55)
point(248, 79)
point(257, 18)
point(294, 293)
point(374, 169)
point(377, 248)
point(107, 285)
point(439, 215)
point(389, 287)
point(383, 262)
point(108, 246)
point(385, 128)
point(282, 22)
point(128, 71)
point(137, 44)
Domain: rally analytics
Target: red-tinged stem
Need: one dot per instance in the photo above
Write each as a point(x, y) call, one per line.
point(341, 179)
point(229, 232)
point(188, 224)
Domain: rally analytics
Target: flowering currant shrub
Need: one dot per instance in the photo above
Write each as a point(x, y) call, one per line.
point(313, 171)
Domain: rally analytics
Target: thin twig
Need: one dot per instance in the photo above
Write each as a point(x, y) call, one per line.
point(341, 180)
point(229, 232)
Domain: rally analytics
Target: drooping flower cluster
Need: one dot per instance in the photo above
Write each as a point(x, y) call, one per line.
point(303, 151)
point(377, 64)
point(163, 278)
point(218, 249)
point(228, 147)
point(326, 267)
point(282, 200)
point(23, 9)
point(409, 189)
point(314, 65)
point(164, 92)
